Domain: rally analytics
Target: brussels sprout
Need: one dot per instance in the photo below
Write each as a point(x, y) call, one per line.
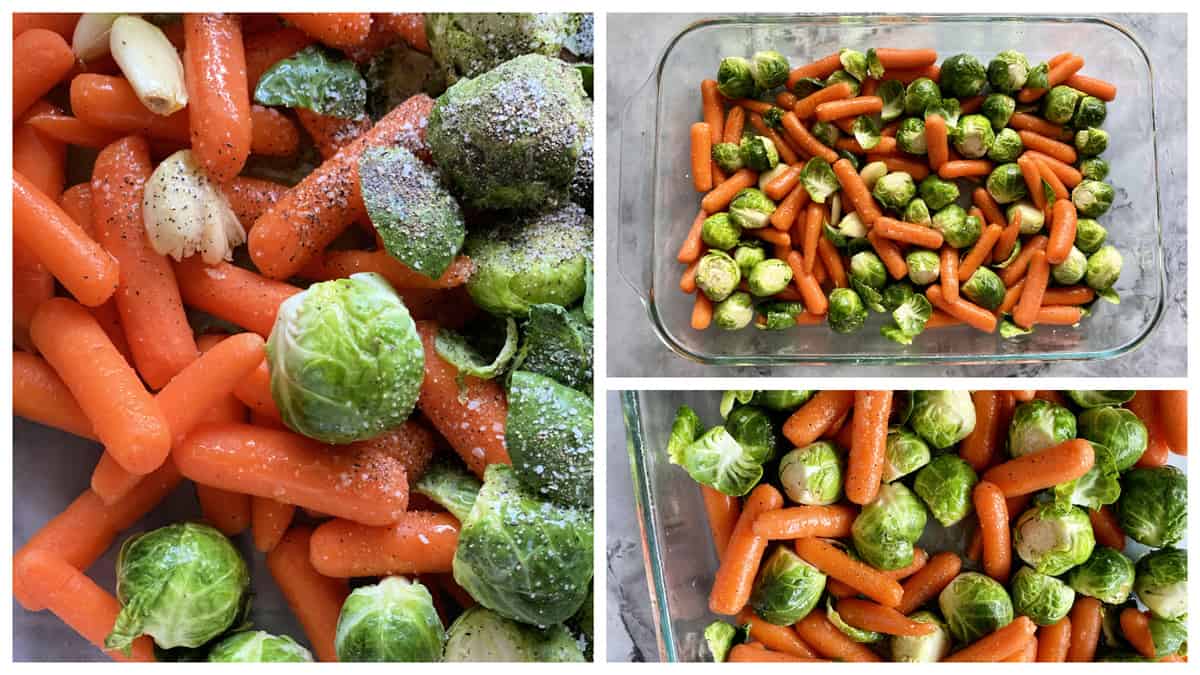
point(1106, 575)
point(528, 560)
point(752, 429)
point(1060, 104)
point(826, 132)
point(393, 620)
point(1094, 168)
point(1103, 268)
point(998, 109)
point(855, 63)
point(1071, 270)
point(945, 485)
point(1038, 76)
point(734, 398)
point(256, 646)
point(851, 228)
point(481, 635)
point(860, 635)
point(1100, 486)
point(896, 293)
point(549, 438)
point(1092, 198)
point(728, 156)
point(1161, 583)
point(719, 231)
point(468, 45)
point(905, 453)
point(786, 589)
point(910, 136)
point(886, 529)
point(773, 118)
point(1096, 399)
point(819, 180)
point(974, 136)
point(769, 277)
point(985, 288)
point(1006, 184)
point(928, 648)
point(1037, 425)
point(910, 317)
point(778, 315)
point(1091, 141)
point(839, 76)
point(759, 153)
point(769, 69)
point(717, 275)
point(807, 85)
point(812, 474)
point(345, 358)
point(895, 190)
point(1170, 637)
point(1032, 218)
point(920, 94)
point(867, 131)
point(1008, 71)
point(923, 266)
point(974, 605)
point(942, 418)
point(1007, 147)
point(892, 93)
point(735, 77)
point(938, 193)
point(751, 209)
point(782, 400)
point(868, 269)
point(959, 229)
point(717, 460)
point(1041, 597)
point(1089, 236)
point(720, 638)
point(450, 485)
point(532, 260)
point(1090, 113)
point(735, 312)
point(963, 75)
point(917, 212)
point(847, 313)
point(182, 585)
point(1052, 538)
point(747, 254)
point(1117, 429)
point(1153, 505)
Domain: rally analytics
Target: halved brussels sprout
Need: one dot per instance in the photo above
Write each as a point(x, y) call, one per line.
point(847, 313)
point(938, 193)
point(1008, 71)
point(1041, 597)
point(717, 275)
point(1090, 113)
point(778, 315)
point(892, 93)
point(896, 293)
point(1060, 104)
point(895, 190)
point(867, 131)
point(812, 474)
point(1032, 218)
point(1092, 198)
point(735, 77)
point(945, 485)
point(769, 69)
point(1091, 141)
point(911, 317)
point(885, 530)
point(749, 253)
point(728, 156)
point(974, 136)
point(717, 460)
point(1006, 184)
point(910, 136)
point(920, 94)
point(1071, 270)
point(1106, 575)
point(923, 266)
point(1170, 637)
point(481, 635)
point(855, 63)
point(1161, 582)
point(1089, 236)
point(1117, 429)
point(1007, 147)
point(257, 646)
point(787, 588)
point(720, 638)
point(759, 153)
point(1104, 267)
point(859, 635)
point(963, 75)
point(826, 132)
point(974, 605)
point(959, 229)
point(942, 418)
point(719, 231)
point(1037, 425)
point(1152, 509)
point(769, 277)
point(735, 312)
point(818, 179)
point(1094, 168)
point(929, 648)
point(905, 453)
point(393, 620)
point(984, 288)
point(839, 76)
point(1053, 538)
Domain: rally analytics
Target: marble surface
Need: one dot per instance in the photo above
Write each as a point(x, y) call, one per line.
point(637, 41)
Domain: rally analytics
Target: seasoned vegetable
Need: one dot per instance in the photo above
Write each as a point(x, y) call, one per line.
point(1161, 582)
point(549, 438)
point(942, 418)
point(812, 474)
point(787, 588)
point(393, 620)
point(751, 209)
point(945, 485)
point(481, 635)
point(1052, 539)
point(929, 648)
point(906, 453)
point(886, 529)
point(314, 79)
point(1152, 509)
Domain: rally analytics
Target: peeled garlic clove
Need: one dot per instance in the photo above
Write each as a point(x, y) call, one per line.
point(186, 213)
point(150, 63)
point(91, 37)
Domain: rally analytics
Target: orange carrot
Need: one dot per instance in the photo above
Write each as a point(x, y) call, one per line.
point(720, 196)
point(856, 191)
point(693, 245)
point(798, 522)
point(1033, 180)
point(785, 213)
point(908, 75)
point(251, 197)
point(39, 395)
point(1025, 313)
point(1048, 146)
point(864, 468)
point(265, 49)
point(1011, 296)
point(778, 638)
point(917, 169)
point(255, 392)
point(40, 158)
point(1008, 238)
point(1054, 641)
point(819, 69)
point(331, 134)
point(807, 106)
point(937, 141)
point(32, 285)
point(340, 31)
point(999, 644)
point(735, 575)
point(1144, 405)
point(269, 521)
point(980, 252)
point(735, 122)
point(805, 140)
point(316, 600)
point(1029, 473)
point(72, 130)
point(927, 582)
point(41, 59)
point(1067, 174)
point(702, 312)
point(832, 260)
point(1106, 528)
point(227, 511)
point(687, 282)
point(202, 385)
point(418, 542)
point(905, 58)
point(1172, 406)
point(979, 448)
point(58, 22)
point(342, 263)
point(814, 220)
point(723, 513)
point(1026, 654)
point(1029, 122)
point(1086, 618)
point(984, 201)
point(232, 293)
point(218, 93)
point(781, 185)
point(940, 319)
point(919, 561)
point(890, 254)
point(1135, 626)
point(1058, 316)
point(962, 309)
point(1056, 185)
point(1068, 295)
point(834, 562)
point(885, 146)
point(965, 168)
point(917, 235)
point(851, 107)
point(830, 642)
point(875, 617)
point(813, 419)
point(1092, 86)
point(744, 653)
point(1017, 269)
point(701, 157)
point(993, 526)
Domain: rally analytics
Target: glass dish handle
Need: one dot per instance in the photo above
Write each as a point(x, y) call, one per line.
point(635, 225)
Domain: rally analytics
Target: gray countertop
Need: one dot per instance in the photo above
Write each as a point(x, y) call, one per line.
point(637, 41)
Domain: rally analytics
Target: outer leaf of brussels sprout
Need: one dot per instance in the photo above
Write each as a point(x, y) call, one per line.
point(1170, 637)
point(812, 474)
point(1053, 539)
point(256, 646)
point(1161, 582)
point(896, 335)
point(778, 315)
point(759, 153)
point(731, 399)
point(719, 636)
point(480, 634)
point(818, 178)
point(892, 93)
point(868, 269)
point(311, 79)
point(393, 620)
point(525, 559)
point(1007, 146)
point(717, 460)
point(1100, 486)
point(857, 634)
point(558, 344)
point(1094, 168)
point(1038, 425)
point(945, 485)
point(949, 110)
point(1104, 268)
point(912, 314)
point(549, 438)
point(787, 588)
point(974, 605)
point(750, 209)
point(1098, 399)
point(752, 428)
point(1106, 575)
point(1117, 429)
point(942, 418)
point(1010, 331)
point(782, 400)
point(1037, 76)
point(886, 529)
point(1152, 509)
point(867, 131)
point(728, 156)
point(855, 63)
point(1041, 597)
point(458, 351)
point(874, 65)
point(910, 137)
point(905, 453)
point(929, 648)
point(895, 293)
point(684, 431)
point(450, 485)
point(1108, 295)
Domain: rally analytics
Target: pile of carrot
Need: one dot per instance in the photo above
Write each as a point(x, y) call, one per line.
point(105, 351)
point(866, 598)
point(798, 233)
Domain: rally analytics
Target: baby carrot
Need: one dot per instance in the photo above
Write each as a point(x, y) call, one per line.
point(316, 600)
point(851, 107)
point(1135, 626)
point(340, 31)
point(819, 69)
point(810, 289)
point(39, 395)
point(999, 644)
point(255, 392)
point(232, 293)
point(981, 251)
point(785, 213)
point(830, 642)
point(720, 196)
point(701, 157)
point(218, 93)
point(251, 197)
point(917, 169)
point(72, 130)
point(798, 522)
point(832, 260)
point(905, 58)
point(1021, 121)
point(1056, 185)
point(937, 141)
point(985, 203)
point(814, 220)
point(1032, 174)
point(735, 122)
point(961, 308)
point(834, 562)
point(1068, 295)
point(965, 168)
point(735, 575)
point(269, 521)
point(1017, 269)
point(1092, 86)
point(1172, 406)
point(58, 22)
point(909, 233)
point(1086, 618)
point(979, 447)
point(1008, 238)
point(1069, 175)
point(1060, 315)
point(807, 106)
point(993, 527)
point(1025, 313)
point(203, 384)
point(40, 158)
point(1144, 405)
point(890, 254)
point(330, 133)
point(813, 419)
point(1106, 528)
point(266, 48)
point(41, 59)
point(907, 75)
point(872, 616)
point(781, 185)
point(687, 282)
point(702, 312)
point(885, 146)
point(227, 511)
point(796, 130)
point(778, 638)
point(856, 191)
point(1048, 146)
point(1054, 641)
point(419, 542)
point(927, 582)
point(723, 513)
point(1029, 473)
point(864, 467)
point(342, 263)
point(745, 653)
point(920, 560)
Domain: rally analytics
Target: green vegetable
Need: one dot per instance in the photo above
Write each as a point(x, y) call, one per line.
point(759, 153)
point(843, 76)
point(945, 485)
point(1103, 267)
point(974, 605)
point(1071, 270)
point(735, 312)
point(1094, 168)
point(734, 398)
point(779, 315)
point(1052, 538)
point(929, 648)
point(1006, 184)
point(818, 179)
point(859, 635)
point(256, 646)
point(751, 209)
point(345, 358)
point(998, 109)
point(1117, 429)
point(938, 193)
point(1152, 509)
point(1041, 597)
point(912, 315)
point(1106, 575)
point(974, 136)
point(1092, 198)
point(452, 486)
point(749, 253)
point(885, 530)
point(812, 474)
point(182, 585)
point(718, 460)
point(826, 132)
point(1170, 637)
point(1161, 583)
point(896, 293)
point(1060, 104)
point(1007, 147)
point(1091, 141)
point(1038, 425)
point(728, 156)
point(959, 229)
point(984, 288)
point(461, 351)
point(719, 231)
point(470, 44)
point(905, 453)
point(855, 63)
point(558, 344)
point(481, 635)
point(531, 260)
point(769, 69)
point(313, 79)
point(1008, 71)
point(1100, 486)
point(892, 93)
point(895, 190)
point(684, 431)
point(874, 65)
point(393, 620)
point(786, 588)
point(717, 275)
point(847, 313)
point(720, 638)
point(782, 400)
point(868, 269)
point(1089, 235)
point(1096, 399)
point(920, 94)
point(1039, 76)
point(774, 117)
point(1090, 113)
point(735, 77)
point(963, 75)
point(1032, 218)
point(769, 277)
point(923, 266)
point(398, 73)
point(549, 438)
point(867, 131)
point(910, 137)
point(942, 418)
point(527, 560)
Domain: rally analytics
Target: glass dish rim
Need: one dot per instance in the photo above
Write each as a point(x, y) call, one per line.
point(649, 300)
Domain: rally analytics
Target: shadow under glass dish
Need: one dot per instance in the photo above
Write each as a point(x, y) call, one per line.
point(658, 202)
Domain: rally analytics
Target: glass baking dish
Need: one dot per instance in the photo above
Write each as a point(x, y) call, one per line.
point(658, 203)
point(679, 556)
